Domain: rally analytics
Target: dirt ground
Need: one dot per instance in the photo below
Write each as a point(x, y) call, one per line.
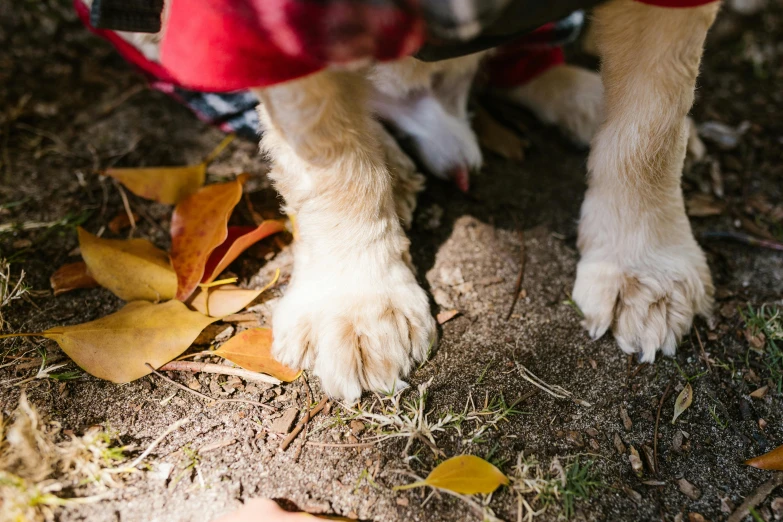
point(69, 107)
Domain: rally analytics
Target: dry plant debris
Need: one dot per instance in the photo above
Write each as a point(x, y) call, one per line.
point(35, 467)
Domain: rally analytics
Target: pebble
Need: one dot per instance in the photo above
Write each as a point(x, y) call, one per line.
point(688, 489)
point(777, 508)
point(575, 438)
point(283, 423)
point(592, 432)
point(403, 501)
point(627, 424)
point(357, 427)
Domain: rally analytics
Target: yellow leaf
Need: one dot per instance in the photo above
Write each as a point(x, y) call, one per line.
point(771, 460)
point(683, 401)
point(116, 347)
point(168, 185)
point(252, 350)
point(466, 474)
point(133, 269)
point(227, 299)
point(223, 301)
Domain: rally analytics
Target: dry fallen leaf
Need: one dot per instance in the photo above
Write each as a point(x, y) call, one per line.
point(465, 474)
point(132, 269)
point(446, 316)
point(122, 221)
point(683, 401)
point(198, 226)
point(116, 347)
point(498, 138)
point(168, 185)
point(237, 241)
point(252, 350)
point(226, 300)
point(265, 510)
point(71, 277)
point(771, 460)
point(760, 393)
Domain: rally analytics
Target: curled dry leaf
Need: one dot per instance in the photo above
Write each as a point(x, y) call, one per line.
point(498, 138)
point(168, 185)
point(252, 350)
point(683, 401)
point(227, 299)
point(116, 347)
point(71, 277)
point(465, 474)
point(238, 239)
point(265, 510)
point(133, 269)
point(771, 460)
point(198, 226)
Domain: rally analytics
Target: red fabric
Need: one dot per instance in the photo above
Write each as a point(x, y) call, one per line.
point(226, 45)
point(677, 3)
point(519, 62)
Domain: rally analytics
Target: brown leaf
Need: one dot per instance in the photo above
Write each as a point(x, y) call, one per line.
point(771, 460)
point(116, 347)
point(198, 226)
point(122, 221)
point(446, 316)
point(252, 350)
point(498, 138)
point(683, 402)
point(703, 205)
point(133, 269)
point(168, 185)
point(237, 241)
point(71, 277)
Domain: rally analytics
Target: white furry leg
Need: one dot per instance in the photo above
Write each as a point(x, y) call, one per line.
point(568, 97)
point(407, 181)
point(428, 103)
point(641, 272)
point(353, 312)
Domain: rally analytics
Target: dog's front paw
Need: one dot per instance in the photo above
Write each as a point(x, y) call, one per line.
point(649, 305)
point(356, 331)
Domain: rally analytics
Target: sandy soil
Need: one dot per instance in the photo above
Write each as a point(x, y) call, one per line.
point(70, 107)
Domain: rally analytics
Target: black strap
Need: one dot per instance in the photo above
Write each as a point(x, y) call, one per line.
point(139, 16)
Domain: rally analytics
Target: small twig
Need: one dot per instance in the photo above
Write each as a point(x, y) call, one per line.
point(637, 370)
point(309, 415)
point(703, 353)
point(207, 397)
point(126, 205)
point(520, 276)
point(657, 421)
point(756, 498)
point(216, 445)
point(338, 445)
point(174, 427)
point(746, 239)
point(195, 366)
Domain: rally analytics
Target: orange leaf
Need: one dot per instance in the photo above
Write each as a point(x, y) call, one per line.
point(133, 269)
point(116, 347)
point(252, 350)
point(237, 241)
point(70, 277)
point(771, 460)
point(167, 185)
point(198, 226)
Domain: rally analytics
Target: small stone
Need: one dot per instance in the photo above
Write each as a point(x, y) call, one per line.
point(636, 462)
point(627, 424)
point(677, 441)
point(336, 436)
point(403, 501)
point(762, 424)
point(594, 445)
point(760, 393)
point(726, 505)
point(777, 508)
point(575, 438)
point(352, 439)
point(193, 384)
point(695, 517)
point(618, 444)
point(283, 424)
point(592, 432)
point(357, 427)
point(688, 489)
